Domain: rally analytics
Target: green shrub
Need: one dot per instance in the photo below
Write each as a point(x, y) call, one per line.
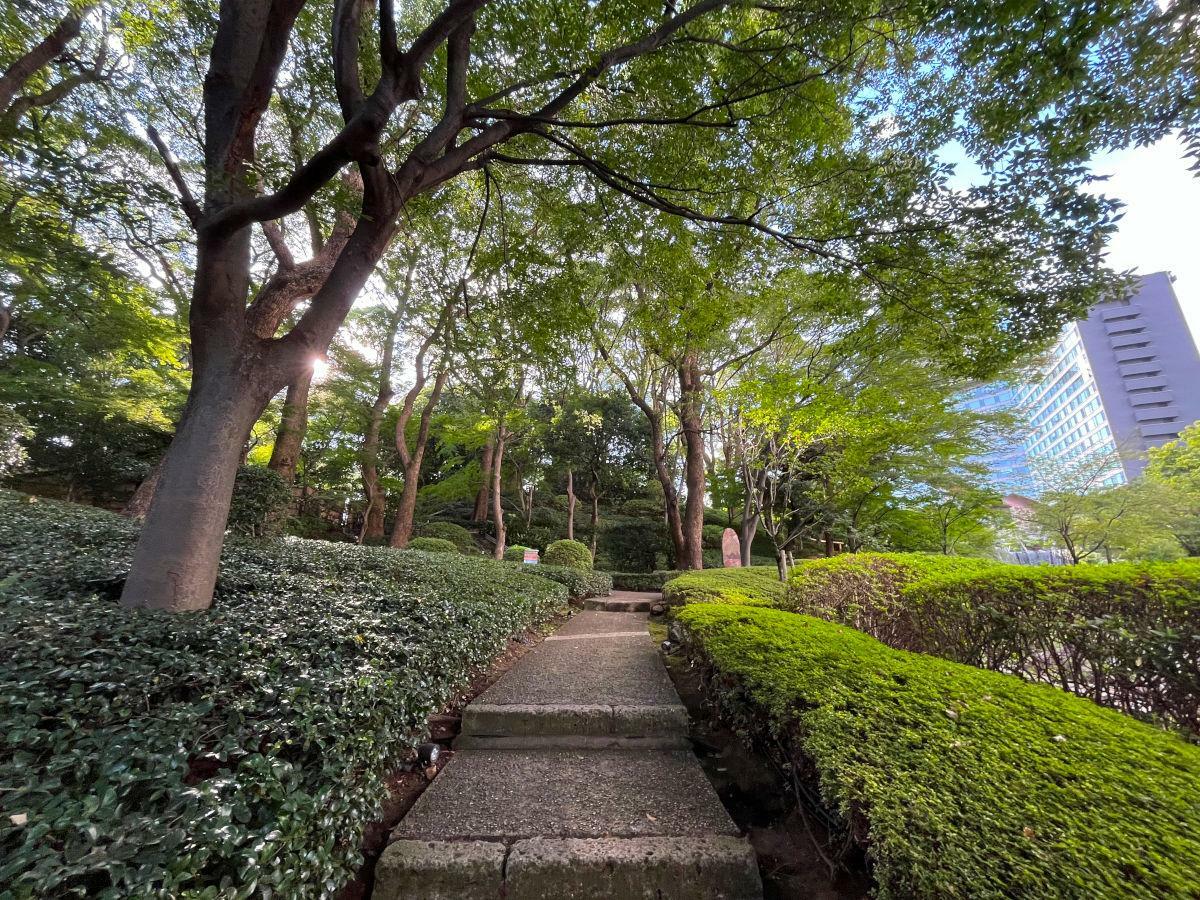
point(233, 753)
point(580, 583)
point(569, 554)
point(515, 553)
point(643, 581)
point(261, 498)
point(857, 589)
point(632, 544)
point(1125, 635)
point(711, 537)
point(958, 782)
point(757, 586)
point(456, 534)
point(432, 545)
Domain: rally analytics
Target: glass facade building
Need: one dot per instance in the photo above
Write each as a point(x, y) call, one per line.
point(1125, 379)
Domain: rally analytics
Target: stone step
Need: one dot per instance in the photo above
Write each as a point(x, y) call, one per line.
point(660, 726)
point(613, 604)
point(509, 795)
point(708, 867)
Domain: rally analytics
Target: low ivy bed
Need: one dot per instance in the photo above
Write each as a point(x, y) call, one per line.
point(756, 586)
point(234, 753)
point(958, 782)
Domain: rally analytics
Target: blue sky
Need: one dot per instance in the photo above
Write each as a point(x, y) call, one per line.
point(1161, 227)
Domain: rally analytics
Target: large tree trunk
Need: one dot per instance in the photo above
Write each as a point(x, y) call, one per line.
point(139, 503)
point(175, 562)
point(372, 529)
point(480, 512)
point(402, 531)
point(293, 425)
point(571, 505)
point(694, 468)
point(497, 506)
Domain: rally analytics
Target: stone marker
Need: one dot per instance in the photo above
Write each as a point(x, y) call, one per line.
point(731, 549)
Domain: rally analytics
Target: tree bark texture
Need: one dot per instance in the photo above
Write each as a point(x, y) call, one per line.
point(293, 425)
point(497, 506)
point(571, 505)
point(412, 458)
point(694, 463)
point(480, 512)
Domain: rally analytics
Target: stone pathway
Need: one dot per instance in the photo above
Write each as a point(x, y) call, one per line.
point(573, 780)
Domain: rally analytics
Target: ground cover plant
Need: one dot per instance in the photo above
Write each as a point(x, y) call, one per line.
point(432, 545)
point(643, 581)
point(238, 752)
point(756, 585)
point(958, 782)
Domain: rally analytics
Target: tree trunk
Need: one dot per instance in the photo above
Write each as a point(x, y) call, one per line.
point(571, 505)
point(372, 527)
point(694, 464)
point(139, 503)
point(828, 538)
point(751, 506)
point(402, 531)
point(595, 518)
point(480, 512)
point(781, 564)
point(175, 562)
point(5, 320)
point(293, 425)
point(497, 508)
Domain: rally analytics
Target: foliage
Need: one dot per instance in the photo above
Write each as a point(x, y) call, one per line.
point(956, 781)
point(234, 753)
point(1176, 465)
point(261, 497)
point(634, 544)
point(855, 588)
point(580, 583)
point(643, 581)
point(450, 531)
point(756, 586)
point(1125, 635)
point(569, 554)
point(514, 553)
point(712, 535)
point(433, 545)
point(13, 429)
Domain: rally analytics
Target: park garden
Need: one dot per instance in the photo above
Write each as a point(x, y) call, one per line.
point(348, 348)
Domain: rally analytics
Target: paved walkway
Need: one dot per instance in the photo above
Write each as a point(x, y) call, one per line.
point(573, 780)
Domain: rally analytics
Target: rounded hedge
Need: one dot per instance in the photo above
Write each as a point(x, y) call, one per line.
point(569, 554)
point(515, 553)
point(432, 545)
point(456, 534)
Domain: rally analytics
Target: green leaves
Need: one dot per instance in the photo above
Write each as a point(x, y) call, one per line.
point(229, 753)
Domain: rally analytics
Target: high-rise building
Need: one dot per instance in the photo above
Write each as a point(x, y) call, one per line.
point(1125, 379)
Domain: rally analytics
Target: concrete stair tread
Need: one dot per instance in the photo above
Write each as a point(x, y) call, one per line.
point(514, 794)
point(707, 867)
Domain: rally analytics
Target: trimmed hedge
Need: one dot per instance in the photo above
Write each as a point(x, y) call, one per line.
point(1125, 635)
point(456, 534)
point(957, 782)
point(857, 588)
point(757, 586)
point(432, 545)
point(515, 553)
point(238, 752)
point(568, 554)
point(580, 584)
point(643, 581)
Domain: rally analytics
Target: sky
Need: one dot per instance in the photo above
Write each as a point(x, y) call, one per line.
point(1161, 226)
